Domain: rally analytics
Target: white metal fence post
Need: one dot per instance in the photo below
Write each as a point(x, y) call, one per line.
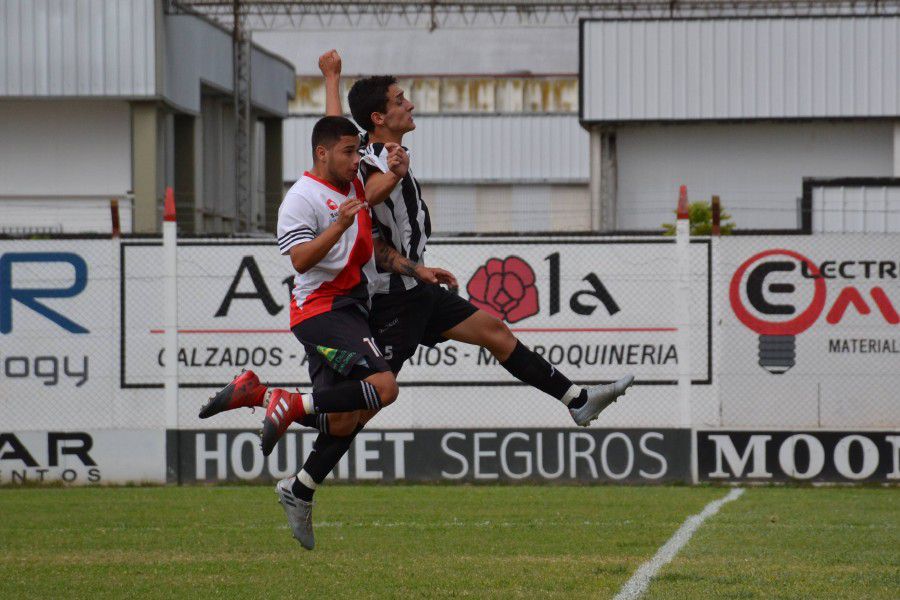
point(683, 307)
point(170, 252)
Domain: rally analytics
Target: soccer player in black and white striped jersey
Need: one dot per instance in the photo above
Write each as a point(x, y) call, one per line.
point(407, 312)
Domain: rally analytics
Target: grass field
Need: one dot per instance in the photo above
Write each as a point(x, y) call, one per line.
point(441, 541)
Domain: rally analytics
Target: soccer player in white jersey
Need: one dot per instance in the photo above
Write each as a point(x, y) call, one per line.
point(325, 227)
point(405, 311)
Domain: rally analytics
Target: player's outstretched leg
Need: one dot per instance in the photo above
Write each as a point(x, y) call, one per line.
point(378, 390)
point(482, 329)
point(244, 390)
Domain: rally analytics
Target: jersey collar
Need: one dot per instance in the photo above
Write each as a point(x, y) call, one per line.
point(343, 192)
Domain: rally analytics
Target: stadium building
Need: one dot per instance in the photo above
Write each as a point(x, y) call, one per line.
point(743, 108)
point(595, 132)
point(110, 99)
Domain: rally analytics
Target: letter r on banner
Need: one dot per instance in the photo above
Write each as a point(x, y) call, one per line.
point(28, 296)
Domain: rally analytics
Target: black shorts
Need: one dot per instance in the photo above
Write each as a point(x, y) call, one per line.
point(403, 320)
point(340, 346)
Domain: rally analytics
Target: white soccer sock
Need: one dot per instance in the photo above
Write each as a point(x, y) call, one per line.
point(305, 479)
point(573, 393)
point(309, 407)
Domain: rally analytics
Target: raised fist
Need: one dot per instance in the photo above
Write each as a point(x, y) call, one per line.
point(330, 64)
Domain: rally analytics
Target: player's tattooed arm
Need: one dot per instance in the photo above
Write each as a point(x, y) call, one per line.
point(330, 65)
point(388, 259)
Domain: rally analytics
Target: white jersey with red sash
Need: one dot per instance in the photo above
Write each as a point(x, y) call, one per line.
point(343, 277)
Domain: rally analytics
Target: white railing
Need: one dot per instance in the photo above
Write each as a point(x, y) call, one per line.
point(33, 214)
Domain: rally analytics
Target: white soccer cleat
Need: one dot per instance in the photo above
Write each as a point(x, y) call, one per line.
point(598, 398)
point(299, 513)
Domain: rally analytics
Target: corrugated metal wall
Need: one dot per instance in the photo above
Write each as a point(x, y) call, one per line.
point(77, 48)
point(475, 149)
point(741, 68)
point(508, 148)
point(107, 48)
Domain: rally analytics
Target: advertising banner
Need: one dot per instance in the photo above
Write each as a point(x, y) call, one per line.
point(846, 456)
point(592, 307)
point(811, 332)
point(82, 457)
point(794, 343)
point(59, 335)
point(593, 455)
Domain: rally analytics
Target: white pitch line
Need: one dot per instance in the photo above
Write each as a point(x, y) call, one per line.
point(637, 585)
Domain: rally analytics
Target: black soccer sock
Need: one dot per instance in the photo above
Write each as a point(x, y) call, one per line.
point(319, 422)
point(326, 453)
point(346, 396)
point(527, 366)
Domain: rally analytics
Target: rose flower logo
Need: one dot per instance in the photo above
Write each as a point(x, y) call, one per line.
point(505, 289)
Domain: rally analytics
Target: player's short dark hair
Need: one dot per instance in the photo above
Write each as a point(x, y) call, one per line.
point(329, 130)
point(367, 96)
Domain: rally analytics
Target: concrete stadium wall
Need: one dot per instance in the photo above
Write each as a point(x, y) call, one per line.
point(65, 147)
point(81, 364)
point(757, 169)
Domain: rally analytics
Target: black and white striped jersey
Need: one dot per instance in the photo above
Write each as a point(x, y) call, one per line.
point(402, 220)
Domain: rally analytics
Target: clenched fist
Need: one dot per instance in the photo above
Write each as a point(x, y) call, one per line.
point(330, 64)
point(397, 160)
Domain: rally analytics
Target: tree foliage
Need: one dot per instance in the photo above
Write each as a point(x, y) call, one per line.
point(701, 220)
